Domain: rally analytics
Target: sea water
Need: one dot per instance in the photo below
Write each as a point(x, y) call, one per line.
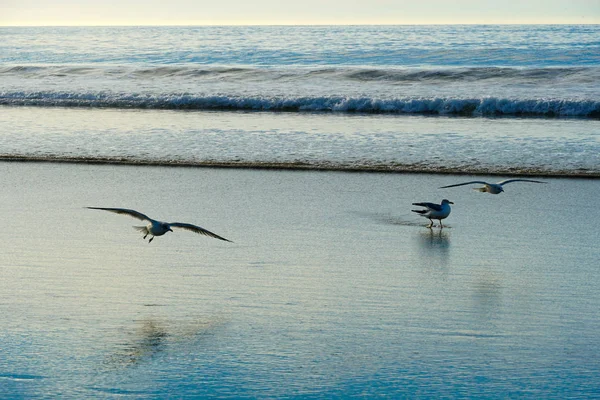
point(507, 99)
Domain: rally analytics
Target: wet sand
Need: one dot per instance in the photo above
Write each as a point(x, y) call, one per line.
point(332, 287)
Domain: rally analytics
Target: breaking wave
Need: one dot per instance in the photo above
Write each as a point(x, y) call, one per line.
point(426, 106)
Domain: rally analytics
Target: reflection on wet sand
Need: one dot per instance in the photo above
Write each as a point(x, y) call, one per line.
point(434, 244)
point(149, 339)
point(153, 336)
point(487, 296)
point(434, 239)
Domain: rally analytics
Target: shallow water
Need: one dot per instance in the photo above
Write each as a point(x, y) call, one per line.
point(293, 140)
point(332, 287)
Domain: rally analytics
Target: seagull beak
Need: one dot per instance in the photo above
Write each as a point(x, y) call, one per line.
point(451, 202)
point(170, 230)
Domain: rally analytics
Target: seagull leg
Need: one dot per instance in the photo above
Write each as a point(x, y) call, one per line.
point(441, 225)
point(431, 224)
point(151, 239)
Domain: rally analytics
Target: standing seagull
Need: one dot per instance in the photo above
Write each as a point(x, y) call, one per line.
point(434, 211)
point(493, 188)
point(158, 228)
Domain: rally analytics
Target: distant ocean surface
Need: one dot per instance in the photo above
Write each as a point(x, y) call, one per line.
point(544, 73)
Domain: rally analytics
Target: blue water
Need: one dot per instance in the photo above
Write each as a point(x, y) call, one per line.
point(464, 70)
point(531, 95)
point(394, 46)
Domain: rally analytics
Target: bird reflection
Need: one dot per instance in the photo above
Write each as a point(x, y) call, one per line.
point(149, 340)
point(434, 244)
point(434, 240)
point(153, 336)
point(487, 296)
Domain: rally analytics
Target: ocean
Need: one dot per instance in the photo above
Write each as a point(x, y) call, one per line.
point(466, 99)
point(306, 147)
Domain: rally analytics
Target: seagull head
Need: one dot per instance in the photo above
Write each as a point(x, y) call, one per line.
point(167, 227)
point(446, 201)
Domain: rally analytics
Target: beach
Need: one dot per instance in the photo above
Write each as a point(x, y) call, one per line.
point(331, 287)
point(306, 147)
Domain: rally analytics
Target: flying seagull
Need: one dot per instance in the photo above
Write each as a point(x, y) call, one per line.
point(493, 188)
point(158, 228)
point(434, 211)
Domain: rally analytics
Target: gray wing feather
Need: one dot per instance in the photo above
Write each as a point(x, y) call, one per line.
point(464, 183)
point(132, 213)
point(431, 206)
point(518, 180)
point(197, 229)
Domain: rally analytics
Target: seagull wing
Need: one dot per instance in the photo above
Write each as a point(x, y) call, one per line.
point(197, 229)
point(431, 206)
point(518, 180)
point(465, 183)
point(132, 213)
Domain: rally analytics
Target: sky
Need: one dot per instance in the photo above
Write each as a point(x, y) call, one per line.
point(296, 12)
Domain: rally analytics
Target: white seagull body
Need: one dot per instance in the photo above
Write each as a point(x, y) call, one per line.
point(493, 188)
point(158, 228)
point(434, 211)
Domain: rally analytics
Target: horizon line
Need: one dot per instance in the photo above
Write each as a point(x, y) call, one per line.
point(288, 24)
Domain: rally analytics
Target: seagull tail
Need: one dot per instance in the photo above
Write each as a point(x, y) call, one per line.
point(142, 229)
point(419, 211)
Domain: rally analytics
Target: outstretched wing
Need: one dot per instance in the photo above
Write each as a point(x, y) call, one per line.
point(518, 180)
point(465, 183)
point(431, 206)
point(197, 229)
point(132, 213)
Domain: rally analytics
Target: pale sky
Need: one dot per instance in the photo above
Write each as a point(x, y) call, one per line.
point(300, 12)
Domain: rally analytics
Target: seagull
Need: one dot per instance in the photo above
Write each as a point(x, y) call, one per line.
point(158, 228)
point(493, 188)
point(434, 211)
